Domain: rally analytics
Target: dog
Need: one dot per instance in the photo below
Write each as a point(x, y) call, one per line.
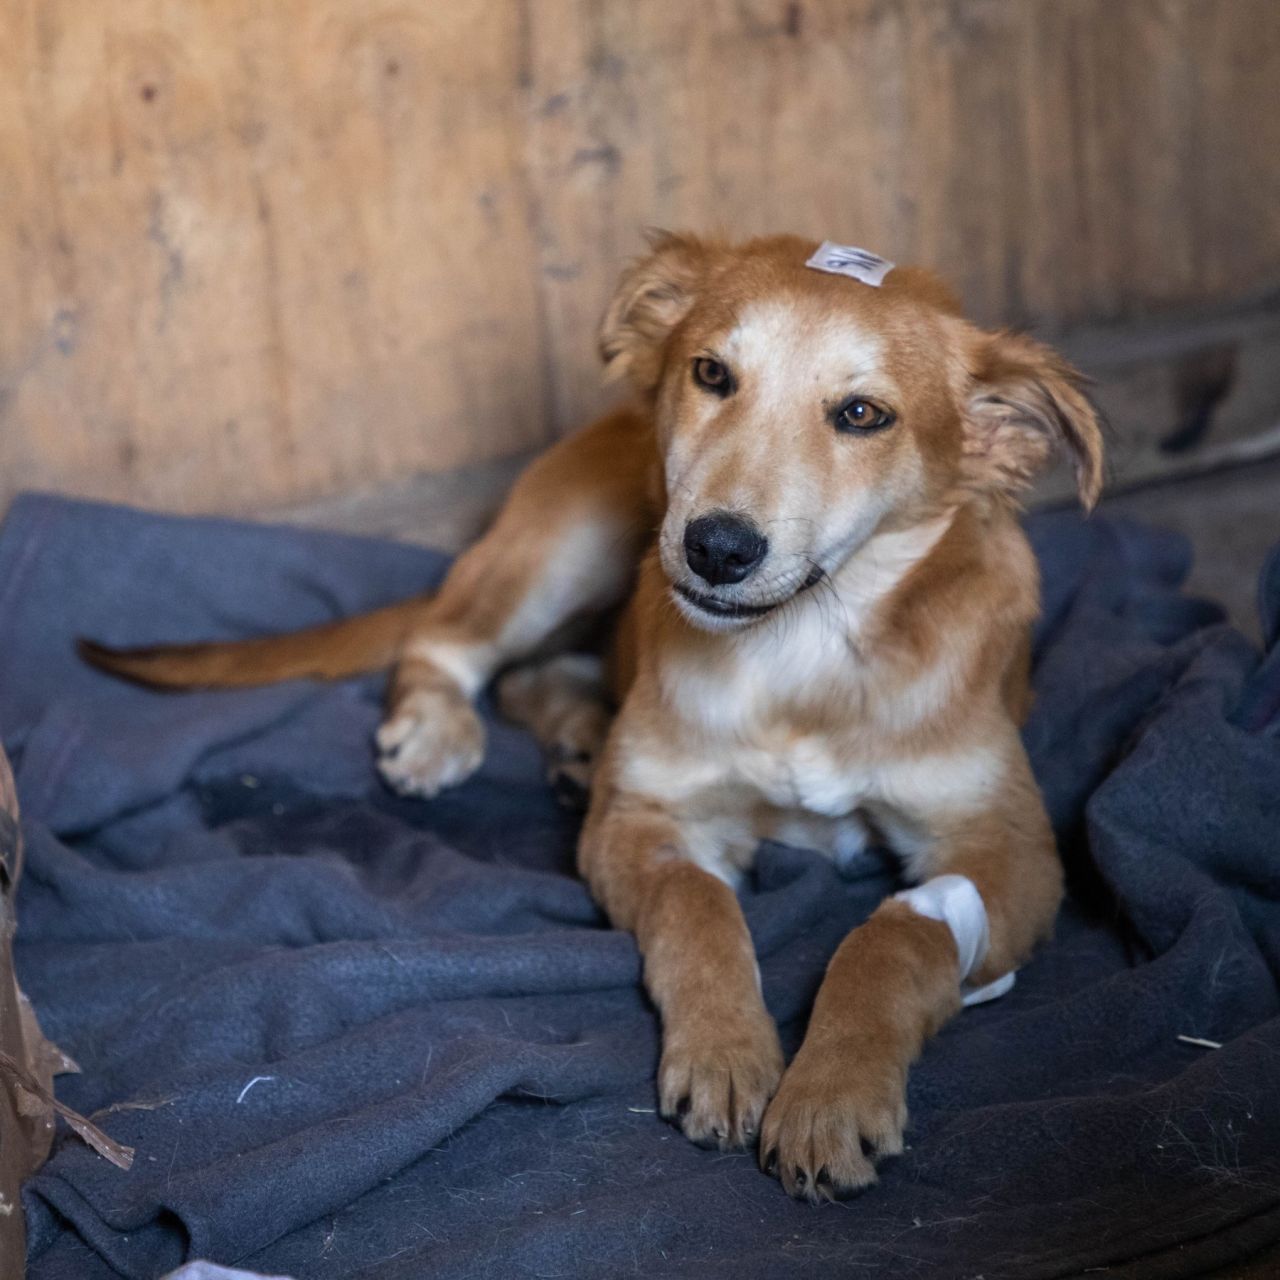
point(805, 516)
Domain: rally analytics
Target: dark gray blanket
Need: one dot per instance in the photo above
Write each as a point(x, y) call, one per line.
point(357, 1036)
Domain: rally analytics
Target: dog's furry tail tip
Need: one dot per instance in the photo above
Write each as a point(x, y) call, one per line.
point(158, 667)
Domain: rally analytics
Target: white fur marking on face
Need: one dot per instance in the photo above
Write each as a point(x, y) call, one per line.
point(790, 367)
point(768, 453)
point(784, 357)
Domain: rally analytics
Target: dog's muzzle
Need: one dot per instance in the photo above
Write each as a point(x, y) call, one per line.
point(731, 609)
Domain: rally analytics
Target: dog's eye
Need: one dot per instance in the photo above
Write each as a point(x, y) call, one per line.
point(861, 416)
point(713, 375)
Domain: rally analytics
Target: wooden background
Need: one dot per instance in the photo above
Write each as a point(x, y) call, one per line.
point(255, 252)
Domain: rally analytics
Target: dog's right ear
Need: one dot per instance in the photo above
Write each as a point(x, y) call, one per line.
point(652, 297)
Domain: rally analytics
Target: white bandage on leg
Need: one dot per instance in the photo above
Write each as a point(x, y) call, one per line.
point(956, 902)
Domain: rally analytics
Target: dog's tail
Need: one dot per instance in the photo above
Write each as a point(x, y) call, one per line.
point(327, 652)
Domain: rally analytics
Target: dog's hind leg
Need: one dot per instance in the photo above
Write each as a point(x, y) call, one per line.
point(565, 704)
point(564, 547)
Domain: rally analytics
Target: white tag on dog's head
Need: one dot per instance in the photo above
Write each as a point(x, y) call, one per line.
point(849, 260)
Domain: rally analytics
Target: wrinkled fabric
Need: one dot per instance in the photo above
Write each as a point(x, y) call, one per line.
point(357, 1036)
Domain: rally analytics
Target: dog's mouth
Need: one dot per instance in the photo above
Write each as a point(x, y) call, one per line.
point(735, 610)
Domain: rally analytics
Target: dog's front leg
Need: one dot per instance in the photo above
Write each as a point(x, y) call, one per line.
point(721, 1059)
point(897, 978)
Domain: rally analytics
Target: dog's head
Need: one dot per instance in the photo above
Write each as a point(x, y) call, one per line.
point(800, 412)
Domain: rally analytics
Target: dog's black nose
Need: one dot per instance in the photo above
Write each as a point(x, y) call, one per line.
point(723, 548)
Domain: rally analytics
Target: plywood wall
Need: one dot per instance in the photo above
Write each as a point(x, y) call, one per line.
point(252, 252)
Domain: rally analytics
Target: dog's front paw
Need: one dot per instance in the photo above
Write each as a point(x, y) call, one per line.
point(716, 1083)
point(838, 1109)
point(432, 740)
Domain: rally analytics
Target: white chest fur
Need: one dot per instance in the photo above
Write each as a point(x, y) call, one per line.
point(792, 713)
point(732, 738)
point(803, 773)
point(729, 690)
point(733, 703)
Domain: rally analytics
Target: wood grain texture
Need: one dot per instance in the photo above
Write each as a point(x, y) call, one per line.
point(251, 251)
point(255, 253)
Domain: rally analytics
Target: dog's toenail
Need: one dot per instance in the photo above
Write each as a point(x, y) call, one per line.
point(771, 1163)
point(682, 1107)
point(802, 1178)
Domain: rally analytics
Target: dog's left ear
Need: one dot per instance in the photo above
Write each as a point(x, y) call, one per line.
point(652, 297)
point(1023, 400)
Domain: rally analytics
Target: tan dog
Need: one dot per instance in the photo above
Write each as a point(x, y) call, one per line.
point(828, 635)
